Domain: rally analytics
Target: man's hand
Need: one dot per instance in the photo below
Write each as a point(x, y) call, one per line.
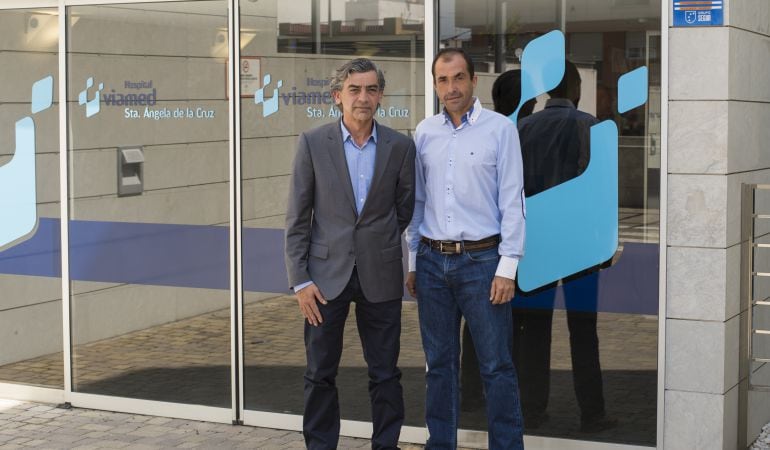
point(307, 298)
point(411, 280)
point(502, 290)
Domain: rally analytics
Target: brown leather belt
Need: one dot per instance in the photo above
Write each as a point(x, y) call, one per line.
point(457, 247)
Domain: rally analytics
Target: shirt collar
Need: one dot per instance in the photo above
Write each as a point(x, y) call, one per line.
point(470, 117)
point(559, 103)
point(346, 134)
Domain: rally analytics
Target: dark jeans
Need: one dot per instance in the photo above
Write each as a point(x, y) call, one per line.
point(450, 287)
point(379, 327)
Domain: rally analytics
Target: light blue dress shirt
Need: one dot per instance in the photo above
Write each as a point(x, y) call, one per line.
point(360, 168)
point(469, 184)
point(360, 163)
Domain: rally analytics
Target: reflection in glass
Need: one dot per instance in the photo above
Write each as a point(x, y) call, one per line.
point(361, 27)
point(586, 346)
point(149, 236)
point(300, 44)
point(30, 267)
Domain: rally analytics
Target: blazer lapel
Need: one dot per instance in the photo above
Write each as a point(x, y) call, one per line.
point(337, 154)
point(381, 158)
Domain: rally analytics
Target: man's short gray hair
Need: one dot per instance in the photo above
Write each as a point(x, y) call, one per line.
point(358, 65)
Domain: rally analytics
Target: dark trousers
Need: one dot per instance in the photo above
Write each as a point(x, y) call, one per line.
point(379, 327)
point(533, 332)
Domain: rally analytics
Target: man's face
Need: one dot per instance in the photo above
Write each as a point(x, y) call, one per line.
point(359, 96)
point(454, 85)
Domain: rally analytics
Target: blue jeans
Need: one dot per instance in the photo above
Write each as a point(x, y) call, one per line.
point(450, 287)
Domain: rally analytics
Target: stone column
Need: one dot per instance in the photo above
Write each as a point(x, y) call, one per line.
point(718, 138)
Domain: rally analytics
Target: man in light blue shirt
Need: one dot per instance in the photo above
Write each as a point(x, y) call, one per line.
point(465, 241)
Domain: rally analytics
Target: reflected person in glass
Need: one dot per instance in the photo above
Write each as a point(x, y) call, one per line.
point(465, 241)
point(555, 146)
point(506, 94)
point(351, 196)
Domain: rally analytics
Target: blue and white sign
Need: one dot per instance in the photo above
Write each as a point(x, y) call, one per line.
point(573, 226)
point(698, 13)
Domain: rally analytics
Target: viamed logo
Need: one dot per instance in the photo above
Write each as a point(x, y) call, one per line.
point(93, 105)
point(269, 106)
point(18, 194)
point(573, 226)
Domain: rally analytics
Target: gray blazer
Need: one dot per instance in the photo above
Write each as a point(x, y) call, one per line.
point(325, 237)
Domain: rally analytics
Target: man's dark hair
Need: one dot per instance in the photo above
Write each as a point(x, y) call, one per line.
point(447, 53)
point(569, 87)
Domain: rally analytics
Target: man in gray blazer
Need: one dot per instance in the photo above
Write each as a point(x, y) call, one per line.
point(351, 196)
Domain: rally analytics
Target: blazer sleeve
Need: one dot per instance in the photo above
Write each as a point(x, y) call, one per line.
point(299, 214)
point(405, 189)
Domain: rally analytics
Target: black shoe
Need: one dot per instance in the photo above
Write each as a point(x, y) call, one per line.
point(597, 424)
point(535, 421)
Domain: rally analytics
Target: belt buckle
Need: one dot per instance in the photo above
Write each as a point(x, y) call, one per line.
point(453, 248)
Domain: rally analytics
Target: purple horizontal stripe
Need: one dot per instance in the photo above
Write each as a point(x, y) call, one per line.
point(146, 253)
point(197, 256)
point(40, 255)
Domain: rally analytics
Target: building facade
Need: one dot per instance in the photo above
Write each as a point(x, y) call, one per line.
point(164, 290)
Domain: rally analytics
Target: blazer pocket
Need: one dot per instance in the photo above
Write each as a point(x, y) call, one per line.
point(319, 251)
point(391, 253)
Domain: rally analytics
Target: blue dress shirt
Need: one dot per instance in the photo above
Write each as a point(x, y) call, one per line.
point(360, 168)
point(360, 163)
point(469, 184)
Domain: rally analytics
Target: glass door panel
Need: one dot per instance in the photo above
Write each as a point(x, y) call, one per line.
point(149, 201)
point(289, 50)
point(585, 346)
point(30, 255)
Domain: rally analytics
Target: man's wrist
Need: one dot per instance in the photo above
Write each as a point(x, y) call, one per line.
point(412, 261)
point(507, 267)
point(301, 286)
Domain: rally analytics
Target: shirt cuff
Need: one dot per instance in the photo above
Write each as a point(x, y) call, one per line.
point(301, 286)
point(412, 261)
point(507, 266)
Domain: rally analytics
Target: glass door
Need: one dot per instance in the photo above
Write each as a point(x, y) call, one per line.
point(289, 51)
point(149, 158)
point(30, 268)
point(585, 344)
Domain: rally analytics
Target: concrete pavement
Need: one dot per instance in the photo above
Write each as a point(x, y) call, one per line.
point(36, 425)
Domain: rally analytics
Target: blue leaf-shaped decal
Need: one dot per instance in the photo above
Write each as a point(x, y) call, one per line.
point(542, 67)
